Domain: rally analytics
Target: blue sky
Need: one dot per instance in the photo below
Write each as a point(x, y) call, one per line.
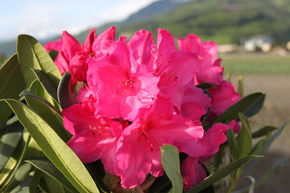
point(44, 18)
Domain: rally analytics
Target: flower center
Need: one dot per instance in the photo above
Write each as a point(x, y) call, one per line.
point(128, 87)
point(167, 79)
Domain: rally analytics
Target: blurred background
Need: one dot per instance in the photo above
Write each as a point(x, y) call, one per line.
point(253, 38)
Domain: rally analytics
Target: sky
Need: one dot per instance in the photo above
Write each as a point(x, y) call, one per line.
point(45, 18)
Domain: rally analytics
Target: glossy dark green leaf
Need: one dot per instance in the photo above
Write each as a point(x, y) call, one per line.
point(48, 113)
point(240, 88)
point(38, 89)
point(46, 83)
point(49, 169)
point(53, 54)
point(20, 189)
point(64, 93)
point(45, 109)
point(9, 141)
point(247, 105)
point(275, 135)
point(265, 144)
point(244, 138)
point(10, 175)
point(263, 131)
point(220, 174)
point(258, 149)
point(19, 176)
point(205, 85)
point(54, 148)
point(35, 181)
point(12, 84)
point(171, 165)
point(31, 55)
point(53, 186)
point(233, 143)
point(262, 146)
point(10, 164)
point(256, 107)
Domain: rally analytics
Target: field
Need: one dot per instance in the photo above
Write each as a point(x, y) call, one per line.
point(271, 75)
point(256, 64)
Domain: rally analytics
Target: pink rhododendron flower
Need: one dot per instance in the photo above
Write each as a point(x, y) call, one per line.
point(155, 127)
point(72, 56)
point(192, 171)
point(140, 95)
point(94, 137)
point(56, 45)
point(123, 86)
point(208, 69)
point(223, 96)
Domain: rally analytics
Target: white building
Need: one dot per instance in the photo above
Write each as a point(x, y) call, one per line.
point(259, 42)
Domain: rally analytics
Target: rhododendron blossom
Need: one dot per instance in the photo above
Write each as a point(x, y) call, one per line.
point(140, 95)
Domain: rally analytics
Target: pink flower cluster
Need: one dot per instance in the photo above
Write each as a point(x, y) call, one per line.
point(139, 95)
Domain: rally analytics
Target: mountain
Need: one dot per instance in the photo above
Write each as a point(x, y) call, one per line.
point(7, 48)
point(154, 9)
point(224, 21)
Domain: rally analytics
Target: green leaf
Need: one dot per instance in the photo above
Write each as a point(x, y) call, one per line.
point(171, 165)
point(263, 131)
point(244, 138)
point(255, 107)
point(31, 55)
point(53, 54)
point(54, 148)
point(53, 186)
point(205, 85)
point(220, 174)
point(9, 141)
point(64, 93)
point(260, 146)
point(48, 113)
point(11, 174)
point(34, 181)
point(11, 163)
point(19, 176)
point(45, 109)
point(38, 88)
point(12, 84)
point(20, 189)
point(240, 85)
point(233, 143)
point(50, 170)
point(46, 83)
point(248, 105)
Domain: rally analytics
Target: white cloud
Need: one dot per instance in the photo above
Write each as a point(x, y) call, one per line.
point(123, 10)
point(46, 18)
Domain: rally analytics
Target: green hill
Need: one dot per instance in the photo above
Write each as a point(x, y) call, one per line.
point(224, 21)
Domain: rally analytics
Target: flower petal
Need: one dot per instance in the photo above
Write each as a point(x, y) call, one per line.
point(141, 46)
point(192, 172)
point(133, 160)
